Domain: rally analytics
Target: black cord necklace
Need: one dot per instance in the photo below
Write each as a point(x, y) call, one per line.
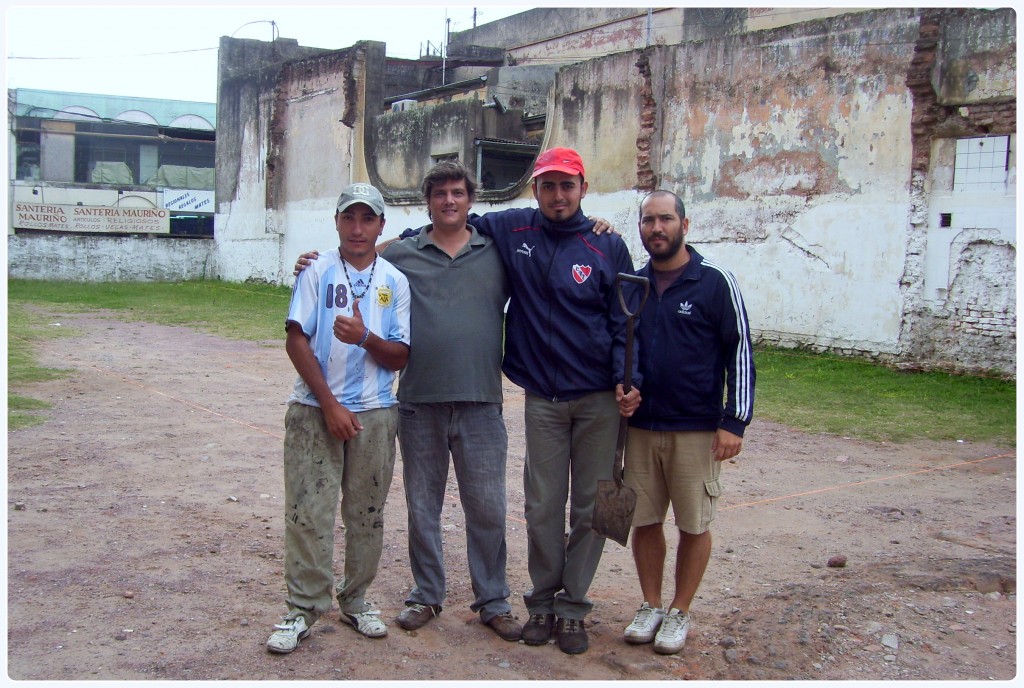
point(368, 282)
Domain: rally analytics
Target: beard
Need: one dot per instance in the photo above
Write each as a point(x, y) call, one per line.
point(674, 246)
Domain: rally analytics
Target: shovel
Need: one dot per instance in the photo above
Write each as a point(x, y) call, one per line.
point(613, 510)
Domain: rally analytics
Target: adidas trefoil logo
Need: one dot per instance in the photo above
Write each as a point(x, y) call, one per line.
point(685, 307)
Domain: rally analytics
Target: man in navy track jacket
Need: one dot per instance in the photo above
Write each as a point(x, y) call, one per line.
point(695, 351)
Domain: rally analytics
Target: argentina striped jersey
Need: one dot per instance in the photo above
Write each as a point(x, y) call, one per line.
point(322, 292)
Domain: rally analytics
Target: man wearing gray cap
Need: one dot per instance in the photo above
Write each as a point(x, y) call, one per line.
point(347, 335)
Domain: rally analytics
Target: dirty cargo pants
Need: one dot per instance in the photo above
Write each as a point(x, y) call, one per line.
point(317, 466)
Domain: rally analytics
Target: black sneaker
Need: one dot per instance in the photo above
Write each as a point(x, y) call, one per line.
point(537, 630)
point(572, 636)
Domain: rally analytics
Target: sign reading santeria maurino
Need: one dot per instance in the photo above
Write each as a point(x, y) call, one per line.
point(88, 218)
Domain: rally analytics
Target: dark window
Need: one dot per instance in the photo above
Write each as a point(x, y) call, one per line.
point(187, 148)
point(27, 143)
point(192, 225)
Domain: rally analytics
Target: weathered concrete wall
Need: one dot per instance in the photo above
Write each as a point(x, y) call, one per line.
point(594, 109)
point(811, 160)
point(794, 149)
point(287, 122)
point(524, 88)
point(978, 57)
point(573, 34)
point(540, 25)
point(109, 259)
point(400, 145)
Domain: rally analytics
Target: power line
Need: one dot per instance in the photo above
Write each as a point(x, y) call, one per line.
point(110, 57)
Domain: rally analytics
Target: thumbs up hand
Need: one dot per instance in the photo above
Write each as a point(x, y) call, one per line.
point(350, 329)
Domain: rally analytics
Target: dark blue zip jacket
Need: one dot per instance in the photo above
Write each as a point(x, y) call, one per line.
point(694, 339)
point(565, 329)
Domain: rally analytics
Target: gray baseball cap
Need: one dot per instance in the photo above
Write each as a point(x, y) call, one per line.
point(361, 193)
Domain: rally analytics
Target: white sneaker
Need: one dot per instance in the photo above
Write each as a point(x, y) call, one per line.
point(672, 634)
point(645, 624)
point(367, 622)
point(287, 635)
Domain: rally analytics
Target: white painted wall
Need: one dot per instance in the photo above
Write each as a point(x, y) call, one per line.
point(109, 259)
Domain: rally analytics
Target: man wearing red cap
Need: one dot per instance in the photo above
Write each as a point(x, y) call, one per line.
point(565, 345)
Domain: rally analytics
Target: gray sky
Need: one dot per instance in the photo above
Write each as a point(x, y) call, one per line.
point(159, 51)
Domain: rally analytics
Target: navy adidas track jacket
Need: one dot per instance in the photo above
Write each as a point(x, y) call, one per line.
point(694, 339)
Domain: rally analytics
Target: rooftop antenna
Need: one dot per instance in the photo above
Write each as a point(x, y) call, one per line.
point(444, 48)
point(274, 34)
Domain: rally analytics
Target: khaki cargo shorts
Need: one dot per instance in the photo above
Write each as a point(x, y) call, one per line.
point(673, 468)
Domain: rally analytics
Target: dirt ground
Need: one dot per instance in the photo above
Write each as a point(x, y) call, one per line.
point(145, 539)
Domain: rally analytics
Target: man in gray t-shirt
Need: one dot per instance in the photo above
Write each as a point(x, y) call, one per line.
point(449, 398)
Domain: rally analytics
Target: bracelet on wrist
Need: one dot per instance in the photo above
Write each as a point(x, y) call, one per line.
point(366, 335)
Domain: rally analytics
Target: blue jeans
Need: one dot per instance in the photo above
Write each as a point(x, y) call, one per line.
point(474, 435)
point(570, 445)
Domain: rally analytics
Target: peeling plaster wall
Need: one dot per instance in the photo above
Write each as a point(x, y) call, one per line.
point(965, 316)
point(961, 247)
point(594, 110)
point(318, 105)
point(248, 246)
point(792, 150)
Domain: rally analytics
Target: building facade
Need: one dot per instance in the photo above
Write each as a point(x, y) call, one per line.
point(109, 187)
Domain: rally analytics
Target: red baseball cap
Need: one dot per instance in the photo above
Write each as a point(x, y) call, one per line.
point(559, 160)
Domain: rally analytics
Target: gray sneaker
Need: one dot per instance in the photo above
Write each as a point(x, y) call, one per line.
point(645, 624)
point(287, 634)
point(672, 634)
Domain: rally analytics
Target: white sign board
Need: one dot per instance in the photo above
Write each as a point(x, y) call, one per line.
point(89, 218)
point(189, 200)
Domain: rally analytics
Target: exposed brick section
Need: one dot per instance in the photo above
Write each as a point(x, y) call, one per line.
point(646, 180)
point(930, 119)
point(976, 320)
point(926, 108)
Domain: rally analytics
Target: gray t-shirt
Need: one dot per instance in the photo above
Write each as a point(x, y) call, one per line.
point(457, 319)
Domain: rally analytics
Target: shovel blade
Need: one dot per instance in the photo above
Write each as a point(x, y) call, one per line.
point(613, 511)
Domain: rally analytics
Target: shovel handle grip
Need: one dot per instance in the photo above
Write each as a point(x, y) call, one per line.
point(627, 383)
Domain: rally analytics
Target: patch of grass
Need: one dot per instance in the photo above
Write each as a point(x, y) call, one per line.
point(849, 397)
point(24, 331)
point(228, 309)
point(817, 393)
point(17, 408)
